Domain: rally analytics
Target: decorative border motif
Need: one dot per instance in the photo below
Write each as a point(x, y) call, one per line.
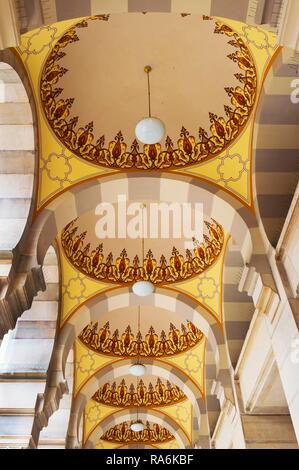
point(129, 345)
point(142, 395)
point(152, 433)
point(189, 151)
point(126, 271)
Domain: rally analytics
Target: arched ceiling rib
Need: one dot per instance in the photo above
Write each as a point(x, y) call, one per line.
point(83, 198)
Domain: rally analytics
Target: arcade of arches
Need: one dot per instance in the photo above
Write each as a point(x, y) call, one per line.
point(218, 336)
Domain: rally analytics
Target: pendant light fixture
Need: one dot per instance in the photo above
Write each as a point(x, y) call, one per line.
point(149, 130)
point(143, 288)
point(138, 369)
point(137, 426)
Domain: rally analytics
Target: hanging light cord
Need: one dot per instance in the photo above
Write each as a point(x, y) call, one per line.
point(138, 363)
point(138, 331)
point(143, 206)
point(149, 95)
point(138, 319)
point(142, 247)
point(147, 70)
point(142, 254)
point(137, 402)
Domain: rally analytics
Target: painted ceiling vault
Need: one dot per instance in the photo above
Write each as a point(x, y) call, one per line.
point(82, 128)
point(86, 127)
point(90, 90)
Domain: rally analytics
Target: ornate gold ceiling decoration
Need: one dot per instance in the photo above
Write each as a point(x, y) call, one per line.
point(118, 154)
point(142, 395)
point(129, 345)
point(178, 268)
point(152, 433)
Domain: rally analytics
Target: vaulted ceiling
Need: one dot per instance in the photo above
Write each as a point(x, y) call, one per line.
point(90, 90)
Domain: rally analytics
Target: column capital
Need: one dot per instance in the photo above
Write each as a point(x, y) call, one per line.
point(265, 299)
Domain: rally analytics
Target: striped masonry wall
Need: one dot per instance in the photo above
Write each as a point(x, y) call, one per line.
point(276, 146)
point(35, 13)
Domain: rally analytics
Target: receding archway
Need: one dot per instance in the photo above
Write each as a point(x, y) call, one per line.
point(153, 416)
point(119, 369)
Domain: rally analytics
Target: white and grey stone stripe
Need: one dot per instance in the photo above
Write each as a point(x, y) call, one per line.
point(276, 147)
point(42, 12)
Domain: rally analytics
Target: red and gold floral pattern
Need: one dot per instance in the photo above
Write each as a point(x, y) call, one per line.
point(142, 395)
point(128, 345)
point(117, 154)
point(151, 434)
point(178, 268)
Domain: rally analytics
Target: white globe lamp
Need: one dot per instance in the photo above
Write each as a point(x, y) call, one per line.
point(137, 426)
point(138, 370)
point(143, 288)
point(149, 130)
